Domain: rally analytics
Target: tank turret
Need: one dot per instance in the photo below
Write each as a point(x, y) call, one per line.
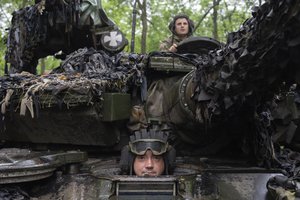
point(63, 131)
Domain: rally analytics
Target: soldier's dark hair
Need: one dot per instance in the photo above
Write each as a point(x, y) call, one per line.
point(127, 156)
point(190, 22)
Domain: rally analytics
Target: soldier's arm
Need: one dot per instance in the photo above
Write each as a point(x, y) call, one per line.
point(164, 45)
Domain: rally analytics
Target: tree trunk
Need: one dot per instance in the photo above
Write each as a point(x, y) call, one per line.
point(24, 3)
point(215, 19)
point(216, 3)
point(143, 8)
point(43, 65)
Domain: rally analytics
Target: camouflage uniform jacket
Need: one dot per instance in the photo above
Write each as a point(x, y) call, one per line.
point(167, 43)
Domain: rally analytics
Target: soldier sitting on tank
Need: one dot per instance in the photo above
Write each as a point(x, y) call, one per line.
point(148, 154)
point(182, 27)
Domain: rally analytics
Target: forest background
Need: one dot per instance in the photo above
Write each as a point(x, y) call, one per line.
point(212, 18)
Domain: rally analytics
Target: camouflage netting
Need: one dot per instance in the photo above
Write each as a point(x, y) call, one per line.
point(26, 33)
point(7, 193)
point(48, 27)
point(257, 58)
point(243, 77)
point(236, 84)
point(80, 80)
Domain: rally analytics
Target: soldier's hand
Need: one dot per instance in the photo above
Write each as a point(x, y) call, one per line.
point(173, 48)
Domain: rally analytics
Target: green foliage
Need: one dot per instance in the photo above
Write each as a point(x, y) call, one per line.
point(231, 14)
point(50, 62)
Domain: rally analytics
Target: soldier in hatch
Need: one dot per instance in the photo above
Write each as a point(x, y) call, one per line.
point(148, 154)
point(182, 27)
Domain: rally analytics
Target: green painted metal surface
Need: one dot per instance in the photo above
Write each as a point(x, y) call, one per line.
point(116, 106)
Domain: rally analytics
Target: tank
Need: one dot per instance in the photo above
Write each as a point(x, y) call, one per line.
point(231, 109)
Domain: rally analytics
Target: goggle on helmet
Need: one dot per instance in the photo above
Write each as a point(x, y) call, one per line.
point(140, 146)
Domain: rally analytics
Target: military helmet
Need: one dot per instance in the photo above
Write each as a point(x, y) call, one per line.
point(143, 140)
point(190, 22)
